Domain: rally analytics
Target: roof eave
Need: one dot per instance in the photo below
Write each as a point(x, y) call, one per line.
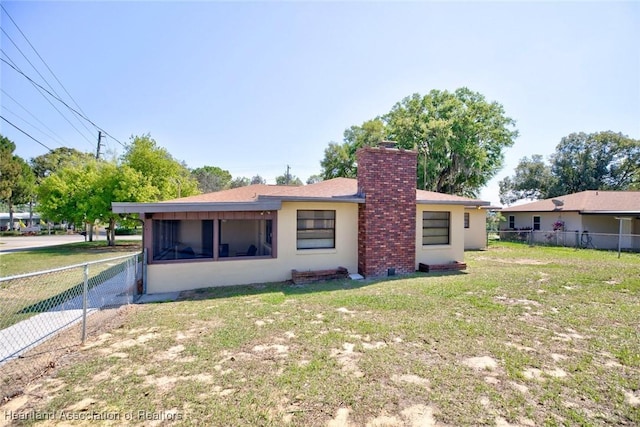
point(335, 199)
point(260, 205)
point(465, 203)
point(616, 212)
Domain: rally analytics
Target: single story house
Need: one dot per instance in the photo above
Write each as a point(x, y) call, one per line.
point(376, 225)
point(598, 217)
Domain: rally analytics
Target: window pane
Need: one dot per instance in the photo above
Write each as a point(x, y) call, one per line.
point(316, 214)
point(435, 232)
point(435, 223)
point(442, 240)
point(435, 228)
point(536, 223)
point(435, 215)
point(182, 239)
point(245, 237)
point(315, 229)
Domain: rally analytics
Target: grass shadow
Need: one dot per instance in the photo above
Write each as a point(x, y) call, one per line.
point(289, 288)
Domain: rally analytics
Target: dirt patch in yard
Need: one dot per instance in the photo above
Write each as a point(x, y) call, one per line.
point(517, 261)
point(62, 350)
point(413, 416)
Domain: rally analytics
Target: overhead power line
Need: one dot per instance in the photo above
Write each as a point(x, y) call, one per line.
point(41, 76)
point(41, 59)
point(59, 138)
point(4, 107)
point(40, 90)
point(60, 100)
point(1, 117)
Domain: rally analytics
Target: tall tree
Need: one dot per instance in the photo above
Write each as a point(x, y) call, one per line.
point(597, 161)
point(46, 164)
point(257, 179)
point(340, 159)
point(288, 179)
point(84, 193)
point(532, 180)
point(460, 138)
point(170, 177)
point(211, 178)
point(17, 181)
point(240, 181)
point(314, 179)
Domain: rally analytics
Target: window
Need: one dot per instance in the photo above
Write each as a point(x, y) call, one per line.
point(182, 239)
point(245, 237)
point(536, 223)
point(466, 220)
point(435, 228)
point(316, 230)
point(512, 221)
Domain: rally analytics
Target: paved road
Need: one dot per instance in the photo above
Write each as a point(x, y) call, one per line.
point(17, 243)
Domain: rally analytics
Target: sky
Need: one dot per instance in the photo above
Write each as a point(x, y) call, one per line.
point(254, 87)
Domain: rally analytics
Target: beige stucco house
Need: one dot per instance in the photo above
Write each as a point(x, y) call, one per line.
point(603, 215)
point(376, 225)
point(475, 227)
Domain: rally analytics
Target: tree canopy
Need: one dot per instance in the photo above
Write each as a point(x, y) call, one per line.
point(596, 161)
point(167, 175)
point(46, 164)
point(288, 179)
point(78, 188)
point(17, 181)
point(84, 193)
point(211, 178)
point(460, 138)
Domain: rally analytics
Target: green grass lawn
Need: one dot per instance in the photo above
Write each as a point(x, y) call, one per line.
point(526, 336)
point(46, 258)
point(26, 297)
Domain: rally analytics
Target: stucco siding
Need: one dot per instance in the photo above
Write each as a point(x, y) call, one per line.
point(440, 254)
point(475, 237)
point(228, 272)
point(345, 253)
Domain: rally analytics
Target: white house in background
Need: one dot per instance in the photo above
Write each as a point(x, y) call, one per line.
point(376, 225)
point(25, 217)
point(603, 215)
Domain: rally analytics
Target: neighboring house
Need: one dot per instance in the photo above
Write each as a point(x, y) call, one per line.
point(18, 217)
point(376, 225)
point(594, 213)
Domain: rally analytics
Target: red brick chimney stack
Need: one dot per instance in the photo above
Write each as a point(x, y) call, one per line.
point(387, 220)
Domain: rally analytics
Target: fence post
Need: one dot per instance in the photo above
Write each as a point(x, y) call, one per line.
point(85, 291)
point(144, 270)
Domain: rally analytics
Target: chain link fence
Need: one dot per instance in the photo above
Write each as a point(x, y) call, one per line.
point(571, 239)
point(44, 315)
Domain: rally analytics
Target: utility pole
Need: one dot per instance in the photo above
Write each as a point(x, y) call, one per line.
point(99, 144)
point(287, 177)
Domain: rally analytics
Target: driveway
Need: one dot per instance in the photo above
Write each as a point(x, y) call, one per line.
point(18, 243)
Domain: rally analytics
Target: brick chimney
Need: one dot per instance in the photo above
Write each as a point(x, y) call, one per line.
point(387, 220)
